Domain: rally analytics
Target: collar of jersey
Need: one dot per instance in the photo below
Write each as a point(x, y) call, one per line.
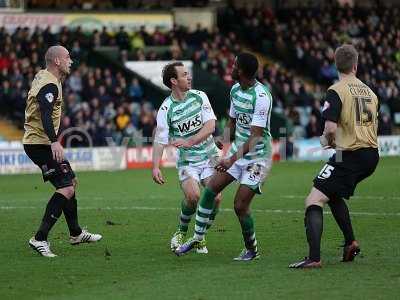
point(51, 74)
point(250, 87)
point(176, 100)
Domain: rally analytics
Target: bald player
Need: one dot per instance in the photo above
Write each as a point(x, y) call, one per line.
point(42, 122)
point(350, 112)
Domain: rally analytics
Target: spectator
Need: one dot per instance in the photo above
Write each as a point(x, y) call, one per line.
point(135, 91)
point(384, 125)
point(122, 119)
point(313, 127)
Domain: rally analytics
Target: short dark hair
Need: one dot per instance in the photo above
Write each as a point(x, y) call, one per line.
point(346, 56)
point(248, 64)
point(169, 71)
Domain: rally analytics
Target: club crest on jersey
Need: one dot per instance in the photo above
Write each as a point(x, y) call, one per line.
point(49, 97)
point(207, 108)
point(262, 113)
point(190, 125)
point(326, 106)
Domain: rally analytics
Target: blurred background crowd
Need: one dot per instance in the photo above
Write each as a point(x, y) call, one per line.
point(297, 62)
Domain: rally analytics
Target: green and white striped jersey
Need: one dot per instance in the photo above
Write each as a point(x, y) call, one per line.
point(251, 107)
point(183, 119)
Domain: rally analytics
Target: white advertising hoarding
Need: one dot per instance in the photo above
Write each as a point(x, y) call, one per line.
point(151, 70)
point(15, 161)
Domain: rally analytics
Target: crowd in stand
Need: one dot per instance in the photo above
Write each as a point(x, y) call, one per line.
point(305, 40)
point(112, 4)
point(97, 100)
point(107, 104)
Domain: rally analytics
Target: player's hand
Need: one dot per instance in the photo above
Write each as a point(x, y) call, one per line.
point(157, 176)
point(224, 164)
point(58, 152)
point(181, 143)
point(325, 143)
point(218, 142)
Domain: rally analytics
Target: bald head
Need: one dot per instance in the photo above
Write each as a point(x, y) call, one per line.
point(53, 53)
point(58, 60)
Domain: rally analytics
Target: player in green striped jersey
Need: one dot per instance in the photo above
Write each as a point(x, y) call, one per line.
point(249, 159)
point(187, 121)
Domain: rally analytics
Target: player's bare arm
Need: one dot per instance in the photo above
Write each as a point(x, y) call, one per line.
point(256, 133)
point(158, 150)
point(207, 129)
point(228, 134)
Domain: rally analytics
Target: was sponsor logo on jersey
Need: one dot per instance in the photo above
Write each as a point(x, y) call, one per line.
point(190, 125)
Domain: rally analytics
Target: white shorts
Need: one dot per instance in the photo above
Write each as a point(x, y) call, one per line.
point(198, 172)
point(251, 173)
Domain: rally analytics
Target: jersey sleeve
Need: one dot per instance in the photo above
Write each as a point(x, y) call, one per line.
point(207, 112)
point(46, 97)
point(232, 112)
point(162, 130)
point(332, 106)
point(261, 110)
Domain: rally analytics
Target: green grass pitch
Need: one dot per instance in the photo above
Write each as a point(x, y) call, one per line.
point(141, 266)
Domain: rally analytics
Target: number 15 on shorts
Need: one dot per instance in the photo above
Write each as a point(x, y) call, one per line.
point(326, 172)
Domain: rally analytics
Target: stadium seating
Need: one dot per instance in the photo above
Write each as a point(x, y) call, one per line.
point(305, 39)
point(102, 102)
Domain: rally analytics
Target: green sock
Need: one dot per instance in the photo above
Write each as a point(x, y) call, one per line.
point(206, 206)
point(212, 217)
point(185, 216)
point(249, 235)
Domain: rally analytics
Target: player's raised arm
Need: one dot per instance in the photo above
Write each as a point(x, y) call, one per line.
point(160, 141)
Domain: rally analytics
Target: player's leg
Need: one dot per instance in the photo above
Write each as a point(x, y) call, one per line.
point(202, 247)
point(313, 222)
point(191, 191)
point(243, 198)
point(70, 210)
point(331, 182)
point(42, 157)
point(206, 205)
point(77, 234)
point(206, 177)
point(363, 166)
point(208, 200)
point(64, 179)
point(52, 213)
point(341, 215)
point(252, 176)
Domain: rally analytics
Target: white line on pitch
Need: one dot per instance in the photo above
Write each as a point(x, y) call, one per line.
point(273, 211)
point(354, 197)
